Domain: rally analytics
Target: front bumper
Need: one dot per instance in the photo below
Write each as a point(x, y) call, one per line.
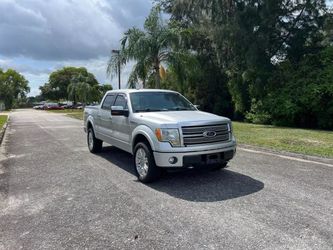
point(194, 158)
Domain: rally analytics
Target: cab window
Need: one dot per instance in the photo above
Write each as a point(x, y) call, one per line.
point(108, 101)
point(121, 101)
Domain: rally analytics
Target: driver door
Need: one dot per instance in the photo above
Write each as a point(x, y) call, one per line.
point(105, 118)
point(121, 135)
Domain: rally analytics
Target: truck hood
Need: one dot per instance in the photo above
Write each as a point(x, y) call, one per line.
point(182, 117)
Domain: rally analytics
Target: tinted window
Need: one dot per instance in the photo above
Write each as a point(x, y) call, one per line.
point(108, 101)
point(121, 101)
point(159, 101)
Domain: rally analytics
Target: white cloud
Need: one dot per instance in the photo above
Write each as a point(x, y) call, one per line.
point(36, 80)
point(60, 30)
point(39, 36)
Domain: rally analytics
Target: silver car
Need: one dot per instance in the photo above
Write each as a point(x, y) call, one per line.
point(161, 128)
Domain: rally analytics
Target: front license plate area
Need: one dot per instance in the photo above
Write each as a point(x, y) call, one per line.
point(212, 158)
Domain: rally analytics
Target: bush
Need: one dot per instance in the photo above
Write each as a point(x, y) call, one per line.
point(302, 94)
point(258, 114)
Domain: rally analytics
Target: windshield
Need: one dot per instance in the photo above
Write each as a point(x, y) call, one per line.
point(159, 101)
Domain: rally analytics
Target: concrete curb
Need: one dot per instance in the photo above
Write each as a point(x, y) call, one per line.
point(289, 154)
point(3, 130)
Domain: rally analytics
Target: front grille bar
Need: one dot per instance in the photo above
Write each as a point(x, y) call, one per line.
point(194, 135)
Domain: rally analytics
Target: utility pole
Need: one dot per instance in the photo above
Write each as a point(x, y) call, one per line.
point(116, 51)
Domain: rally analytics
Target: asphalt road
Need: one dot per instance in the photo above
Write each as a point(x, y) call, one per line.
point(55, 194)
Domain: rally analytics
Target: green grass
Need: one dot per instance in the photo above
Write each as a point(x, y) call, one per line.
point(304, 141)
point(3, 119)
point(74, 113)
point(66, 111)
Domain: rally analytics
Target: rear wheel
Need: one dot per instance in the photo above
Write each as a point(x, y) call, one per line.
point(95, 145)
point(144, 163)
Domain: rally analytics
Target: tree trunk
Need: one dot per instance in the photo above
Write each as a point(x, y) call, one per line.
point(157, 75)
point(158, 80)
point(144, 83)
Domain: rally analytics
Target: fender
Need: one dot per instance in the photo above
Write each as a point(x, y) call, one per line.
point(91, 120)
point(146, 132)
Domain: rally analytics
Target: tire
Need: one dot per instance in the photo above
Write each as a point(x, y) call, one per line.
point(144, 163)
point(94, 145)
point(220, 166)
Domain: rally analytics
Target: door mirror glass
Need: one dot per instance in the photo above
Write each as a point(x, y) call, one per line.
point(119, 111)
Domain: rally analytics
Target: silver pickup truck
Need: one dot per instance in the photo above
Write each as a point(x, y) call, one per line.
point(161, 128)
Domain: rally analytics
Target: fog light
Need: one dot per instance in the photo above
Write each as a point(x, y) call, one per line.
point(172, 160)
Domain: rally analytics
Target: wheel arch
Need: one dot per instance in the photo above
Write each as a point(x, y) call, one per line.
point(142, 136)
point(90, 123)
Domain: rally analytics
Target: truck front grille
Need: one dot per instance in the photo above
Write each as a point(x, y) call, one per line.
point(194, 135)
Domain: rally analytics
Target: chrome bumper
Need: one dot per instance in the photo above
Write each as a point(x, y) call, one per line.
point(162, 158)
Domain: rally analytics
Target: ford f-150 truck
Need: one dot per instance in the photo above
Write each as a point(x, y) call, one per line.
point(161, 129)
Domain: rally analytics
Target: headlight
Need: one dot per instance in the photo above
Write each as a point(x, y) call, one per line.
point(170, 135)
point(230, 127)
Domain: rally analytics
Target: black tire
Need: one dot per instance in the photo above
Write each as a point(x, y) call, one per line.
point(152, 172)
point(94, 146)
point(220, 166)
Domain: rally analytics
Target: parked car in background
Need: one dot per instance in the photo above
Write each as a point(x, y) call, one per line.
point(68, 106)
point(52, 106)
point(162, 129)
point(38, 107)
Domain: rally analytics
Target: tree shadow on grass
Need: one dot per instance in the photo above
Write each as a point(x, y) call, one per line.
point(198, 185)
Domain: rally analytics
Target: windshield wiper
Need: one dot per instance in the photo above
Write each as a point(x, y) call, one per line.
point(180, 109)
point(149, 110)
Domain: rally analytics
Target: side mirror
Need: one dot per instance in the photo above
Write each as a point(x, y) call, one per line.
point(119, 111)
point(196, 106)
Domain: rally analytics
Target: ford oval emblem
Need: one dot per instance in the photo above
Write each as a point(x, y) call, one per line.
point(209, 133)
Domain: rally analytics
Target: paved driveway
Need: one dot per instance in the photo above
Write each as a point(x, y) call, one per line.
point(55, 194)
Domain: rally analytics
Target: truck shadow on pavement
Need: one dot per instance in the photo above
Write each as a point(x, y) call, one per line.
point(198, 185)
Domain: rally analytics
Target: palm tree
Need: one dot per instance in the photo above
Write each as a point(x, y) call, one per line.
point(140, 72)
point(148, 48)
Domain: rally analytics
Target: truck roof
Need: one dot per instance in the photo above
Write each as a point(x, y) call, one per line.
point(138, 90)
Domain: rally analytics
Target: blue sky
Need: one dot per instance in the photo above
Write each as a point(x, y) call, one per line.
point(40, 36)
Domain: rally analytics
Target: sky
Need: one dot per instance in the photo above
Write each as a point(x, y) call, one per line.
point(40, 36)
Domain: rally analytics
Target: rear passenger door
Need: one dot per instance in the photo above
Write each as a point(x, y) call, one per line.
point(105, 118)
point(121, 126)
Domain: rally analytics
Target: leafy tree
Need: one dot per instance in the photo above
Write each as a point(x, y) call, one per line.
point(79, 89)
point(57, 86)
point(304, 96)
point(102, 89)
point(13, 86)
point(247, 43)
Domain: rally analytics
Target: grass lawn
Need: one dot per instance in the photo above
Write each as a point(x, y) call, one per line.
point(75, 113)
point(304, 141)
point(66, 111)
point(3, 119)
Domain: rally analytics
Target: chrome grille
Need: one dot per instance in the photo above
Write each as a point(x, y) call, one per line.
point(193, 135)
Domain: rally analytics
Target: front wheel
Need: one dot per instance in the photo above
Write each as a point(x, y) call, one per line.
point(144, 163)
point(95, 145)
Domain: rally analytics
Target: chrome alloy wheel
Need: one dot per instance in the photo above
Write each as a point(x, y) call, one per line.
point(141, 162)
point(90, 140)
